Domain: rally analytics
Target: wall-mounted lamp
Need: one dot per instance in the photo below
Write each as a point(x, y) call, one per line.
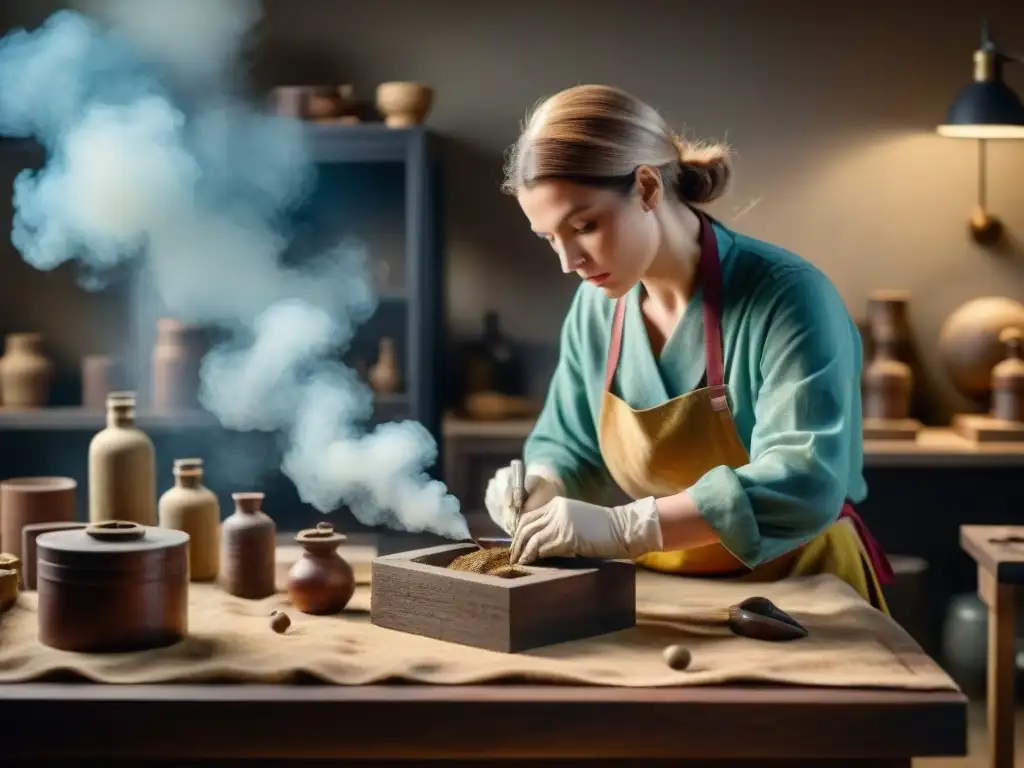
point(986, 109)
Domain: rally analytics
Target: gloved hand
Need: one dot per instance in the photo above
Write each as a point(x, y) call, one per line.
point(567, 527)
point(542, 485)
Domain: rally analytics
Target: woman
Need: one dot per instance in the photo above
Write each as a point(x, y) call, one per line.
point(713, 377)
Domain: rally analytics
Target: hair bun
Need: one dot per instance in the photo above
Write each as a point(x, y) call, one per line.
point(704, 171)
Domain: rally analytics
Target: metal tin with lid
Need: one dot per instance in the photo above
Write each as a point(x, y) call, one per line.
point(111, 587)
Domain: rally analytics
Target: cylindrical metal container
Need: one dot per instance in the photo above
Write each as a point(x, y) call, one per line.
point(112, 587)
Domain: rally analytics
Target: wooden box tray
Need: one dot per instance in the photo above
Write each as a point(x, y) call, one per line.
point(561, 600)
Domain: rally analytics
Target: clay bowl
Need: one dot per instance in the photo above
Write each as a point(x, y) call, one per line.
point(404, 104)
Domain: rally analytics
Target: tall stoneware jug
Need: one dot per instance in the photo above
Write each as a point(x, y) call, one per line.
point(25, 373)
point(190, 506)
point(248, 540)
point(122, 467)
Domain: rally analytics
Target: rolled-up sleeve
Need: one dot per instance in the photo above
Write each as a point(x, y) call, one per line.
point(795, 483)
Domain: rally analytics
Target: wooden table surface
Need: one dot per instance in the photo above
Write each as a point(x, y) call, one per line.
point(728, 725)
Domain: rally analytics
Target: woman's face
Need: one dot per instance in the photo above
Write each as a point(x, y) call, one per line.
point(605, 237)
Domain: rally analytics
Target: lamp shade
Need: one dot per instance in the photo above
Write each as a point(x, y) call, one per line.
point(985, 110)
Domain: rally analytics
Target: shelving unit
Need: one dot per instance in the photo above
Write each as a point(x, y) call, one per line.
point(365, 172)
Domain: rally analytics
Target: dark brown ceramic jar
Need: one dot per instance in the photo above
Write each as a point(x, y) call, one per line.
point(248, 540)
point(321, 582)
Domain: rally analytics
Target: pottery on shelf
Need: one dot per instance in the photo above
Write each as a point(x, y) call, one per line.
point(99, 374)
point(383, 375)
point(191, 507)
point(969, 343)
point(321, 582)
point(403, 103)
point(122, 467)
point(1008, 378)
point(25, 372)
point(177, 356)
point(318, 103)
point(888, 380)
point(248, 548)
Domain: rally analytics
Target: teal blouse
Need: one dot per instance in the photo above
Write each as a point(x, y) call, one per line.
point(793, 361)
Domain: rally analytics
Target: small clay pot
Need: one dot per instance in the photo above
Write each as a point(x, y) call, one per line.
point(321, 582)
point(404, 104)
point(25, 372)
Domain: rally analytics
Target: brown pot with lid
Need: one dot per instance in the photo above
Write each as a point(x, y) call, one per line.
point(114, 586)
point(321, 582)
point(248, 553)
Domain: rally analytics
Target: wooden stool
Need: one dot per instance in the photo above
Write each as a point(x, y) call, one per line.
point(999, 552)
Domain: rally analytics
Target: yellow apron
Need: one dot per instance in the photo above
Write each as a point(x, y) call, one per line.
point(663, 450)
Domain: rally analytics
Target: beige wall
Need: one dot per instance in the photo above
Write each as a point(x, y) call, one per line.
point(831, 107)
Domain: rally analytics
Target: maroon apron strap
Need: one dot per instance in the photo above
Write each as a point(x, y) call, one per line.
point(881, 564)
point(709, 277)
point(709, 273)
point(615, 345)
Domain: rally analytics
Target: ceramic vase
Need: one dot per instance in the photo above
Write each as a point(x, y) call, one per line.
point(248, 540)
point(25, 372)
point(383, 376)
point(177, 356)
point(321, 582)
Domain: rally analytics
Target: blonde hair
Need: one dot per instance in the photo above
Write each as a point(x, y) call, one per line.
point(598, 135)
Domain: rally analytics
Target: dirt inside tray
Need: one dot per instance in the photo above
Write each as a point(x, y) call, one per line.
point(489, 562)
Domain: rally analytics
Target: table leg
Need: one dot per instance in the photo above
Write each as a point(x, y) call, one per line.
point(1001, 664)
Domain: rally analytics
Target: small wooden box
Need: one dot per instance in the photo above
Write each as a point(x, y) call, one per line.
point(562, 600)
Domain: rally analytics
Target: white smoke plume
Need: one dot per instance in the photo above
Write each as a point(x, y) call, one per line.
point(153, 155)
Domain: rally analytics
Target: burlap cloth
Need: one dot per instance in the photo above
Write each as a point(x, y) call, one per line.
point(850, 644)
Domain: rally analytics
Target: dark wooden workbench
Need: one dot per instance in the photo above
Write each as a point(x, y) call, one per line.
point(715, 726)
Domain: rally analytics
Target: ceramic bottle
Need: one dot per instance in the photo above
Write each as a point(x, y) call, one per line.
point(122, 467)
point(177, 356)
point(191, 507)
point(888, 384)
point(248, 544)
point(383, 374)
point(25, 373)
point(1008, 378)
point(321, 581)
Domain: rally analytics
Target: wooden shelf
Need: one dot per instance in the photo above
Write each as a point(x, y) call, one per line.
point(76, 418)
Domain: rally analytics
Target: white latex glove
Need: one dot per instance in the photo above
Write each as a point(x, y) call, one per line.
point(542, 485)
point(568, 528)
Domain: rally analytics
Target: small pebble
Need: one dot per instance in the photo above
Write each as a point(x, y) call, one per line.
point(279, 622)
point(678, 657)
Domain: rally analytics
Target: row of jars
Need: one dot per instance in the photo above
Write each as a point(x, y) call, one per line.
point(26, 373)
point(239, 553)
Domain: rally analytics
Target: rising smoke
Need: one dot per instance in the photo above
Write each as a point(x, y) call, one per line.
point(152, 155)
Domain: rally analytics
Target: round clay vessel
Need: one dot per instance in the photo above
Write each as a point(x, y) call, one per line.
point(248, 549)
point(25, 373)
point(969, 342)
point(122, 467)
point(191, 507)
point(321, 582)
point(404, 104)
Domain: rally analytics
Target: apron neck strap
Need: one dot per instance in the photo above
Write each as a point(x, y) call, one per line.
point(709, 277)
